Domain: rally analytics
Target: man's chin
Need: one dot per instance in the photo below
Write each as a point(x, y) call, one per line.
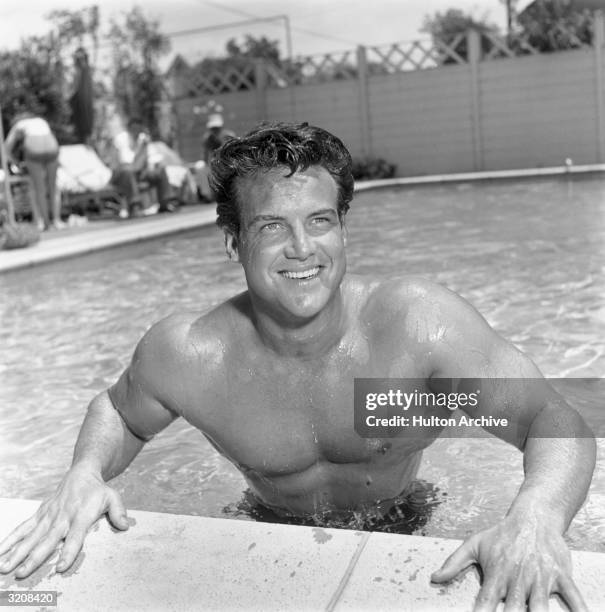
point(305, 309)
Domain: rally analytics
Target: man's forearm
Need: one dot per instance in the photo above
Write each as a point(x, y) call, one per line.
point(105, 444)
point(558, 469)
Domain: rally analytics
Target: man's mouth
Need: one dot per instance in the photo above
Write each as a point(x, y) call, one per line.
point(301, 274)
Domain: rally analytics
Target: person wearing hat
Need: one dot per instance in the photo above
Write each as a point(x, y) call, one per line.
point(213, 138)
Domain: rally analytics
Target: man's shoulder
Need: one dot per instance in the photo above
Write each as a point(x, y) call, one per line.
point(399, 292)
point(408, 303)
point(192, 334)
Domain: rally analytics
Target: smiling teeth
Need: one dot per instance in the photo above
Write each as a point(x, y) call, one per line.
point(303, 274)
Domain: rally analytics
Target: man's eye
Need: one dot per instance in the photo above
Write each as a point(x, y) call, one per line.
point(321, 220)
point(271, 227)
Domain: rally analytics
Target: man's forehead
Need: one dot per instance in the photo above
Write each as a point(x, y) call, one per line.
point(274, 193)
point(276, 180)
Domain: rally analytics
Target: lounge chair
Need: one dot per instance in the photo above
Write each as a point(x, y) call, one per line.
point(83, 181)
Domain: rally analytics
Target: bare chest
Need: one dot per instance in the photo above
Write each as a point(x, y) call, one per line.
point(281, 417)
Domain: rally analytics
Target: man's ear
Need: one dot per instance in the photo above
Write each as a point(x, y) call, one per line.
point(231, 247)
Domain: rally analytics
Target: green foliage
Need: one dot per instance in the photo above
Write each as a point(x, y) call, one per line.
point(369, 168)
point(554, 25)
point(254, 48)
point(235, 70)
point(451, 27)
point(17, 235)
point(32, 79)
point(78, 28)
point(137, 41)
point(137, 46)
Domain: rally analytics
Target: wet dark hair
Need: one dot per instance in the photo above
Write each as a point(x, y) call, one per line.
point(276, 145)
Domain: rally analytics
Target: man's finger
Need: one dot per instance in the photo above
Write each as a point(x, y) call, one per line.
point(569, 592)
point(538, 598)
point(72, 547)
point(23, 547)
point(490, 595)
point(117, 511)
point(40, 553)
point(459, 560)
point(516, 598)
point(16, 535)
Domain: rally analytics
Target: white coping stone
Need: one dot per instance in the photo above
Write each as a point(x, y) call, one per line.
point(171, 562)
point(393, 573)
point(97, 239)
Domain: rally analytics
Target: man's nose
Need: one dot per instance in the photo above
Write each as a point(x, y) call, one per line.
point(300, 245)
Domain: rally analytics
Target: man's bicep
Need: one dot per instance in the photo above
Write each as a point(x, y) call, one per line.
point(513, 390)
point(143, 412)
point(510, 385)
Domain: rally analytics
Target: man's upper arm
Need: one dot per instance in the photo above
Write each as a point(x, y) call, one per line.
point(511, 385)
point(145, 393)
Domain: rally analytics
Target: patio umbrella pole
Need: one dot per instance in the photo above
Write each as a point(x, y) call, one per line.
point(7, 188)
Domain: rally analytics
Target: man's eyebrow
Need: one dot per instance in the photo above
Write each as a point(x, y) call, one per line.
point(323, 211)
point(258, 218)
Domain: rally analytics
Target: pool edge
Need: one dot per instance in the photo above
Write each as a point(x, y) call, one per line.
point(227, 564)
point(136, 230)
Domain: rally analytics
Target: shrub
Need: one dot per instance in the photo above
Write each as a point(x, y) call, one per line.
point(372, 168)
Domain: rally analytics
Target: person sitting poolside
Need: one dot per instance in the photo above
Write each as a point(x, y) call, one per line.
point(134, 165)
point(268, 376)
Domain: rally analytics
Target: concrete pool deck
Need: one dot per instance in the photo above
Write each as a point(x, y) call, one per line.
point(172, 562)
point(103, 234)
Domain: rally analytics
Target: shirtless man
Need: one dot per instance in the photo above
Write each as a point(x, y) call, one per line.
point(268, 377)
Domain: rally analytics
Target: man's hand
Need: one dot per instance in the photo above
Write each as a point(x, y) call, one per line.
point(82, 497)
point(523, 561)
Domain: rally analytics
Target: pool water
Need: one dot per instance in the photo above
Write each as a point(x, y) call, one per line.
point(530, 255)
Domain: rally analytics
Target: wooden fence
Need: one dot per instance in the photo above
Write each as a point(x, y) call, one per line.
point(475, 104)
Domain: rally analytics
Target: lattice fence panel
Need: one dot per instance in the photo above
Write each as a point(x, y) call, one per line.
point(385, 59)
point(415, 55)
point(217, 81)
point(303, 70)
point(496, 47)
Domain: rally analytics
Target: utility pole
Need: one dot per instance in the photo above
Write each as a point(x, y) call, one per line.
point(510, 9)
point(7, 188)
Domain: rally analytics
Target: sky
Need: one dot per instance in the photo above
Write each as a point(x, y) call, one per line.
point(316, 26)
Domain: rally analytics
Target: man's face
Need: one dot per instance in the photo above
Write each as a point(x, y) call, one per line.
point(291, 241)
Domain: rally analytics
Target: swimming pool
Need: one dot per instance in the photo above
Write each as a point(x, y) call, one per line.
point(530, 255)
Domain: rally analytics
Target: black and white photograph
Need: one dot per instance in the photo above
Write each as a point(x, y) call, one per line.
point(302, 305)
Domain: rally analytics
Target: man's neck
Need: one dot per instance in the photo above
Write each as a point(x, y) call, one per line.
point(302, 339)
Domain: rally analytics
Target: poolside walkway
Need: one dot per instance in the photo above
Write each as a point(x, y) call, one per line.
point(103, 234)
point(171, 562)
